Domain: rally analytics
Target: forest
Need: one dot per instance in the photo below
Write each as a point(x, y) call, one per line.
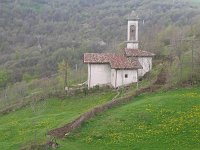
point(41, 40)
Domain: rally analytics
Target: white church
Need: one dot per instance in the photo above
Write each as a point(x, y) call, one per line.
point(118, 70)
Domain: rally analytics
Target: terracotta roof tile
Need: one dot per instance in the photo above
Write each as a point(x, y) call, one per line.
point(116, 61)
point(97, 57)
point(137, 53)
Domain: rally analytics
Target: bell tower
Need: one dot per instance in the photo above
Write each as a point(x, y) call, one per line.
point(132, 35)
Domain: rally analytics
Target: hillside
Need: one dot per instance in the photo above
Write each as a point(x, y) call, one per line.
point(42, 40)
point(36, 35)
point(30, 125)
point(163, 120)
point(41, 55)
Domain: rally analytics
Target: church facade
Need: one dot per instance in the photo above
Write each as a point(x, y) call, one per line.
point(116, 69)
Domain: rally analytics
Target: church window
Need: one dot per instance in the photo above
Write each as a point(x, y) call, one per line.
point(126, 75)
point(132, 33)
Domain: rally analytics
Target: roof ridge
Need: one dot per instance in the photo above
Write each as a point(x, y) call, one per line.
point(116, 61)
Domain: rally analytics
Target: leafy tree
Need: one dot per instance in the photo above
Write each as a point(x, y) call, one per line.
point(27, 77)
point(4, 77)
point(62, 73)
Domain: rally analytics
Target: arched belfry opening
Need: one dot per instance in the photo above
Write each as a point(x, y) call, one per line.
point(132, 33)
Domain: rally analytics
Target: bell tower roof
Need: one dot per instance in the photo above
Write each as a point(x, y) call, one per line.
point(133, 16)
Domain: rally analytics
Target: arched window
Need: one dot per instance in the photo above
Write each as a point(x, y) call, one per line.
point(132, 33)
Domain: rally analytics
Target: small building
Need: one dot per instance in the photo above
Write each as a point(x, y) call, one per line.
point(120, 70)
point(111, 69)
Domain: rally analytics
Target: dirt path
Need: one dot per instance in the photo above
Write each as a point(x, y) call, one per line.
point(68, 128)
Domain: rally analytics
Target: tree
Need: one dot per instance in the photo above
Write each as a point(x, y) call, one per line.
point(62, 73)
point(4, 77)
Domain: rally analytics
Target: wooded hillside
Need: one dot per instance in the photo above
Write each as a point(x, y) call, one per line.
point(35, 35)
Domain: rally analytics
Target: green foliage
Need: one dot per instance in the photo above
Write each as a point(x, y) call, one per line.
point(153, 121)
point(63, 71)
point(194, 1)
point(27, 77)
point(4, 77)
point(16, 93)
point(37, 35)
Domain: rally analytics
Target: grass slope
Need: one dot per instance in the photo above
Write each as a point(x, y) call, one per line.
point(30, 124)
point(168, 120)
point(195, 1)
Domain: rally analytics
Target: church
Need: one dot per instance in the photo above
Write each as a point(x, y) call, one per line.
point(118, 70)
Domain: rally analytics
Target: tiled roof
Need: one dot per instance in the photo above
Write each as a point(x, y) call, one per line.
point(97, 57)
point(115, 61)
point(137, 53)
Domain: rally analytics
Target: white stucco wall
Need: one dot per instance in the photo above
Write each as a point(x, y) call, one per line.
point(146, 63)
point(113, 77)
point(118, 77)
point(99, 74)
point(132, 45)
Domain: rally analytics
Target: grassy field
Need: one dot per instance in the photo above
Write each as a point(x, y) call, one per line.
point(30, 124)
point(164, 120)
point(195, 1)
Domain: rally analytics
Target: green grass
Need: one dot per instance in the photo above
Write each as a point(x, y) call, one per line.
point(29, 4)
point(30, 124)
point(164, 120)
point(195, 1)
